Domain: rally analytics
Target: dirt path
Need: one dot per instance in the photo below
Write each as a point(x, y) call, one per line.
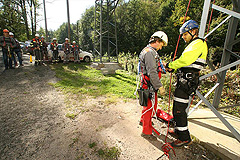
point(33, 123)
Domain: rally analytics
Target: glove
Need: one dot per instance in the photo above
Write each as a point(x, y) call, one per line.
point(162, 91)
point(169, 69)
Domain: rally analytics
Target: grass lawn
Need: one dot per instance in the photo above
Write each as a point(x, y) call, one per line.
point(81, 78)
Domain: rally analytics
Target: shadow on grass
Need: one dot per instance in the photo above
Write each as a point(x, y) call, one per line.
point(123, 78)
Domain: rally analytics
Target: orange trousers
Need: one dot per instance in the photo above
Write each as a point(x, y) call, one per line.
point(147, 115)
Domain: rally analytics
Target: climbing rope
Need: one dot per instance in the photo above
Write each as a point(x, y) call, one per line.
point(167, 147)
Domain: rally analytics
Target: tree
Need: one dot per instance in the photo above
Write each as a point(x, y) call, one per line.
point(86, 25)
point(11, 18)
point(62, 32)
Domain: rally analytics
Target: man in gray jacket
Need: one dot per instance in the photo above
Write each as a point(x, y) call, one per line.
point(150, 72)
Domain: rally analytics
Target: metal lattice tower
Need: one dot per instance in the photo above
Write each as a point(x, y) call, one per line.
point(105, 34)
point(230, 40)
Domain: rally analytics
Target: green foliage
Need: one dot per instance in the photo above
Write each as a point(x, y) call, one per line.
point(93, 144)
point(62, 32)
point(71, 115)
point(137, 20)
point(86, 27)
point(109, 153)
point(230, 94)
point(11, 19)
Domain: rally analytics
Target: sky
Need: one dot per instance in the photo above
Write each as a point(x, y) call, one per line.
point(56, 11)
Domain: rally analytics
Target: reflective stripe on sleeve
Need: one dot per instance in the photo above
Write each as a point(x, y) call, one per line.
point(196, 66)
point(182, 128)
point(181, 100)
point(201, 60)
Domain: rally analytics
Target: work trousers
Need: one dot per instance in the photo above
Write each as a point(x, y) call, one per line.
point(147, 114)
point(66, 56)
point(180, 105)
point(19, 55)
point(40, 57)
point(55, 56)
point(37, 54)
point(45, 54)
point(7, 58)
point(76, 56)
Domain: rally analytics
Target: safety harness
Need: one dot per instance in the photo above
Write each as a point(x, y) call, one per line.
point(36, 43)
point(54, 46)
point(8, 47)
point(146, 89)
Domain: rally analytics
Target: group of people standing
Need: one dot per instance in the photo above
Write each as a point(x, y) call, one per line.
point(10, 48)
point(186, 67)
point(40, 49)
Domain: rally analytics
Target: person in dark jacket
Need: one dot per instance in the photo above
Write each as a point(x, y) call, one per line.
point(7, 44)
point(66, 49)
point(17, 50)
point(36, 44)
point(75, 50)
point(44, 52)
point(54, 48)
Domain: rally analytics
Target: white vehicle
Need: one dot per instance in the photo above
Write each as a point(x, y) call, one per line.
point(83, 55)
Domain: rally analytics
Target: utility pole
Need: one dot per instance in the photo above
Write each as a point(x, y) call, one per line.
point(45, 16)
point(69, 37)
point(77, 34)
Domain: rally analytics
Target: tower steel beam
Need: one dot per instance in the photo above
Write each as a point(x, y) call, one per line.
point(232, 27)
point(230, 41)
point(105, 32)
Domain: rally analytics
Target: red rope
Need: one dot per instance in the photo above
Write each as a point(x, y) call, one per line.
point(167, 147)
point(169, 97)
point(210, 19)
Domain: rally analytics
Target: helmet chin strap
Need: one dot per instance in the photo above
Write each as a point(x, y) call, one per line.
point(191, 35)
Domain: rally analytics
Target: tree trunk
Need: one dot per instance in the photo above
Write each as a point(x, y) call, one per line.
point(31, 16)
point(24, 14)
point(35, 15)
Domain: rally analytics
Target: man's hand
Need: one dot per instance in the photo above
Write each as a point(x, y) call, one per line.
point(168, 69)
point(162, 91)
point(164, 63)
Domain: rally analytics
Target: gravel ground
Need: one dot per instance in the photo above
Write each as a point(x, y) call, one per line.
point(33, 123)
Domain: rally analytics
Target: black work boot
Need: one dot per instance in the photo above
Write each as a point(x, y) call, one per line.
point(179, 143)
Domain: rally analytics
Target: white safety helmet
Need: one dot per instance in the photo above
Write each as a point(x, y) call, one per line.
point(11, 34)
point(66, 39)
point(54, 39)
point(161, 35)
point(74, 41)
point(36, 35)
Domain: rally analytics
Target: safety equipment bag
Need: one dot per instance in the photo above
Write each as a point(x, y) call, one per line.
point(144, 94)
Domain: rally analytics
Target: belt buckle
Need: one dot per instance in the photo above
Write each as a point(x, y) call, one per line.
point(189, 75)
point(179, 74)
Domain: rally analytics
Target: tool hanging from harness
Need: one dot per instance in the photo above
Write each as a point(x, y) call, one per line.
point(188, 81)
point(145, 86)
point(146, 89)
